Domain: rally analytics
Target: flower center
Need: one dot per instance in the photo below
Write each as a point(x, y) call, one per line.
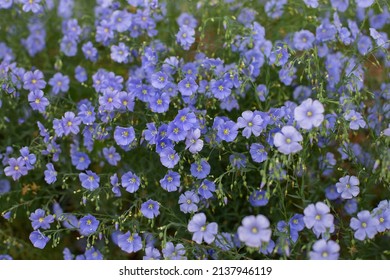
point(250, 124)
point(255, 230)
point(364, 224)
point(89, 222)
point(288, 140)
point(37, 101)
point(318, 217)
point(325, 254)
point(309, 113)
point(203, 228)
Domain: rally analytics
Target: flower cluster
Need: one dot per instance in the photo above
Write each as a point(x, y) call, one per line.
point(149, 130)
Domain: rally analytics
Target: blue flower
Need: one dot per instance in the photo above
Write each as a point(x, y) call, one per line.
point(120, 53)
point(93, 254)
point(59, 83)
point(220, 88)
point(171, 181)
point(169, 158)
point(6, 4)
point(187, 19)
point(114, 181)
point(37, 101)
point(325, 250)
point(124, 135)
point(201, 230)
point(80, 160)
point(303, 40)
point(40, 220)
point(351, 206)
point(318, 218)
point(152, 254)
point(185, 119)
point(254, 231)
point(258, 152)
point(150, 209)
point(33, 80)
point(364, 44)
point(70, 123)
point(31, 5)
point(5, 186)
point(206, 189)
point(258, 198)
point(5, 257)
point(252, 124)
point(88, 225)
point(175, 132)
point(111, 155)
point(129, 242)
point(87, 114)
point(16, 169)
point(201, 169)
point(159, 80)
point(228, 131)
point(109, 101)
point(365, 225)
point(356, 120)
point(130, 182)
point(38, 239)
point(296, 224)
point(331, 193)
point(185, 36)
point(188, 202)
point(121, 20)
point(81, 74)
point(311, 3)
point(287, 140)
point(28, 158)
point(309, 114)
point(193, 143)
point(187, 86)
point(90, 52)
point(364, 3)
point(159, 103)
point(383, 217)
point(172, 252)
point(89, 180)
point(348, 187)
